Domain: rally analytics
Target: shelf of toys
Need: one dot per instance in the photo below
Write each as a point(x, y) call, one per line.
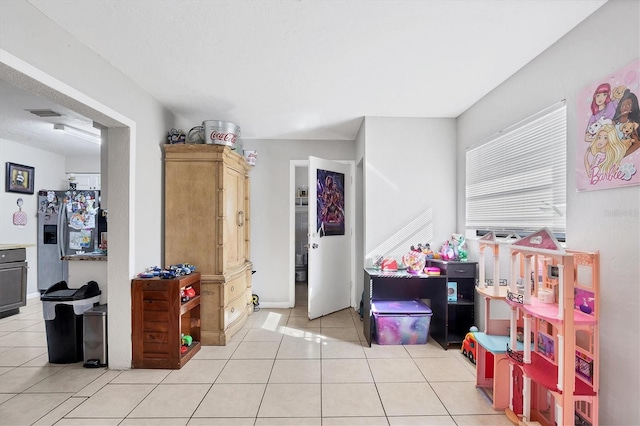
point(553, 295)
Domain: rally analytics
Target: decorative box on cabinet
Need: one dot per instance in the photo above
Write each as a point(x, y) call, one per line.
point(207, 224)
point(461, 296)
point(159, 319)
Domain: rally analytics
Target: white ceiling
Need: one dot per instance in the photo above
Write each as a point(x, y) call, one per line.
point(312, 69)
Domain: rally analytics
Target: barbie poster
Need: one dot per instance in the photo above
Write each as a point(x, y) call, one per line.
point(608, 119)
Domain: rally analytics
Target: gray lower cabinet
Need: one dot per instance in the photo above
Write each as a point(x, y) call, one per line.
point(13, 281)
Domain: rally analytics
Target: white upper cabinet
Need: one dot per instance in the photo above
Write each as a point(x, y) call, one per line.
point(85, 181)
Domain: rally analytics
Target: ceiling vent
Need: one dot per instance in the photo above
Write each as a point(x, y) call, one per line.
point(44, 113)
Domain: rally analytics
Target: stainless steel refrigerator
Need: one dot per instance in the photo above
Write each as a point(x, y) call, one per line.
point(69, 222)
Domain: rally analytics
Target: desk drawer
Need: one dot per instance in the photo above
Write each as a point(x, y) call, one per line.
point(458, 269)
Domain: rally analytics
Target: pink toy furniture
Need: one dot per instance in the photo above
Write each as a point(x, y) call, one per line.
point(556, 291)
point(492, 368)
point(492, 363)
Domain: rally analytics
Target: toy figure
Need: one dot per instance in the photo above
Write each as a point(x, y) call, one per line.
point(460, 246)
point(414, 261)
point(469, 344)
point(446, 252)
point(427, 251)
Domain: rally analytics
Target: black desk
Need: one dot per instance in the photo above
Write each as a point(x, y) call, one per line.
point(403, 286)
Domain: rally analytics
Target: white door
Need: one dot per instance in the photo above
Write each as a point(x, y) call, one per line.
point(329, 231)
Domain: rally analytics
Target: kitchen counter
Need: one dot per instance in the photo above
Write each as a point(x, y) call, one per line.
point(15, 246)
point(86, 256)
point(87, 267)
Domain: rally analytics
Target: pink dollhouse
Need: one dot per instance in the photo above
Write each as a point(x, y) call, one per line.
point(492, 362)
point(553, 297)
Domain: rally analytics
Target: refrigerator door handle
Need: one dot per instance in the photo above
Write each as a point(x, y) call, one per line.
point(61, 243)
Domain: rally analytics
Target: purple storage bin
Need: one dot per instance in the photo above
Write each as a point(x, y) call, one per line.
point(401, 322)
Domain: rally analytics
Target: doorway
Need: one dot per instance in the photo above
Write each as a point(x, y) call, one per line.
point(298, 223)
point(301, 268)
point(119, 136)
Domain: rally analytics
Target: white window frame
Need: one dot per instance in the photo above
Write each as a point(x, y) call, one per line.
point(516, 179)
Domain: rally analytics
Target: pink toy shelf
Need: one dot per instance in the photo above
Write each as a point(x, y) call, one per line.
point(553, 295)
point(492, 362)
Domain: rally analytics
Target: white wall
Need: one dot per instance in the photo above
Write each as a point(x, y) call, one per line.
point(49, 169)
point(82, 164)
point(135, 160)
point(270, 203)
point(603, 43)
point(361, 221)
point(409, 173)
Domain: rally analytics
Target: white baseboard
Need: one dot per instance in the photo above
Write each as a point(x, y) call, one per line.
point(275, 305)
point(284, 305)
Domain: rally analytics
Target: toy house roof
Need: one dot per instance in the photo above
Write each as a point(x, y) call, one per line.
point(488, 238)
point(542, 241)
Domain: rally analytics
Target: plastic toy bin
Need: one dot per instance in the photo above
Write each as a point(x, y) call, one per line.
point(62, 309)
point(401, 322)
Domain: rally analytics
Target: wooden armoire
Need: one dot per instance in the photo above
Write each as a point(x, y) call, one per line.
point(206, 223)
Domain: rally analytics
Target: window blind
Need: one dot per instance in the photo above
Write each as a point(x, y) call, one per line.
point(516, 180)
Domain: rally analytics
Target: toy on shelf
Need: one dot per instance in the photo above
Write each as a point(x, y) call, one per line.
point(446, 252)
point(187, 293)
point(459, 247)
point(427, 251)
point(414, 261)
point(389, 265)
point(186, 341)
point(150, 272)
point(432, 270)
point(172, 271)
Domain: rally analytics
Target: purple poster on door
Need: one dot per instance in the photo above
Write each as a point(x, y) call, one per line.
point(330, 201)
point(607, 154)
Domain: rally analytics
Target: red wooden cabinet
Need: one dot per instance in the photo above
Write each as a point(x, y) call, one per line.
point(160, 318)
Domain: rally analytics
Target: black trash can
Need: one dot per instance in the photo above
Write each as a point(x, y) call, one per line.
point(62, 309)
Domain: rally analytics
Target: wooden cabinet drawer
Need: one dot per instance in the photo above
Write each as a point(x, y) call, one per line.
point(234, 289)
point(234, 310)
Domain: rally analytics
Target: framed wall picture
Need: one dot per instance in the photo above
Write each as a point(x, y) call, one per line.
point(19, 178)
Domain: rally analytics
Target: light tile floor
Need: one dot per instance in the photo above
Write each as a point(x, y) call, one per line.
point(280, 369)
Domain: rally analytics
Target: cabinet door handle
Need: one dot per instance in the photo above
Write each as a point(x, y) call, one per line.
point(241, 219)
point(233, 310)
point(232, 288)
